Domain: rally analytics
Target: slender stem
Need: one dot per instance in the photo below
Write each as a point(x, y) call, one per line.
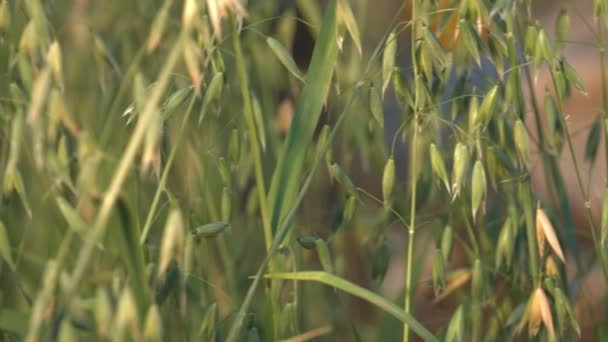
point(525, 198)
point(99, 228)
point(470, 232)
point(579, 179)
point(285, 226)
point(286, 223)
point(602, 50)
point(259, 173)
point(381, 202)
point(539, 132)
point(413, 174)
point(577, 171)
point(106, 132)
point(554, 182)
point(253, 139)
point(411, 231)
point(163, 177)
point(546, 158)
point(45, 295)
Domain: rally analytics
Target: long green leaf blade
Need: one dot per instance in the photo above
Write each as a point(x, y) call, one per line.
point(357, 291)
point(285, 179)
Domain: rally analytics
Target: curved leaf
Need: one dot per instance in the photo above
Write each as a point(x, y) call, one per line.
point(357, 291)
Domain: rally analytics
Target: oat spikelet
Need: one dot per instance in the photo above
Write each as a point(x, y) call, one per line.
point(456, 281)
point(126, 315)
point(173, 241)
point(190, 8)
point(545, 230)
point(219, 9)
point(540, 299)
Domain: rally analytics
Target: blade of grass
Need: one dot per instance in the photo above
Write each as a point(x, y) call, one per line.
point(257, 158)
point(253, 137)
point(285, 225)
point(286, 177)
point(357, 291)
point(309, 335)
point(284, 185)
point(133, 256)
point(46, 293)
point(114, 109)
point(283, 229)
point(414, 180)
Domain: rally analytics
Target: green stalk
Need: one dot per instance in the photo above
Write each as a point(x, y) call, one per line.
point(539, 132)
point(106, 132)
point(285, 224)
point(253, 137)
point(411, 231)
point(524, 197)
point(100, 225)
point(602, 52)
point(547, 161)
point(259, 172)
point(163, 177)
point(45, 295)
point(414, 180)
point(283, 228)
point(553, 179)
point(287, 174)
point(579, 179)
point(470, 232)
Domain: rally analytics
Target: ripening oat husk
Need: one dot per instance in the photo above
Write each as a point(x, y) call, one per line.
point(533, 316)
point(461, 164)
point(388, 180)
point(456, 281)
point(540, 311)
point(157, 30)
point(173, 241)
point(40, 90)
point(438, 166)
point(66, 332)
point(192, 56)
point(152, 329)
point(126, 314)
point(54, 61)
point(219, 9)
point(551, 268)
point(545, 230)
point(103, 313)
point(190, 9)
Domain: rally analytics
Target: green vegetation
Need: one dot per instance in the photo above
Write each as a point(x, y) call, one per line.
point(151, 189)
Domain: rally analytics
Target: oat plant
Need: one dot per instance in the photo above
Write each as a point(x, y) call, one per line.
point(226, 170)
